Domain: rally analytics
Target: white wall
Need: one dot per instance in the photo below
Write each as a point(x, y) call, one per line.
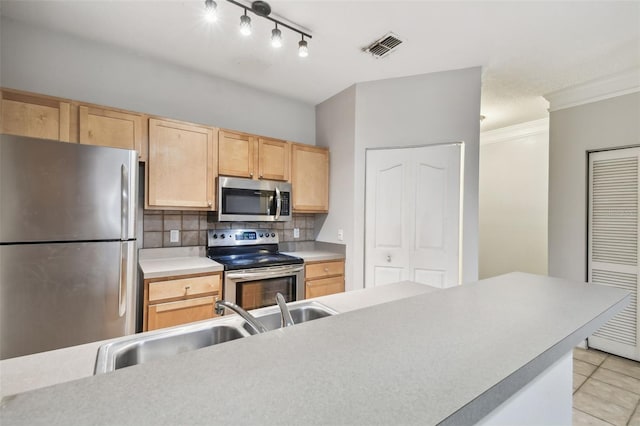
point(514, 182)
point(335, 129)
point(609, 123)
point(42, 61)
point(417, 110)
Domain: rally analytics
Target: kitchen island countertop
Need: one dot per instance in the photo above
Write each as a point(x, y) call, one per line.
point(26, 373)
point(447, 357)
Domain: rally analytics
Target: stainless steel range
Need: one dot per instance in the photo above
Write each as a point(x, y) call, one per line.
point(254, 270)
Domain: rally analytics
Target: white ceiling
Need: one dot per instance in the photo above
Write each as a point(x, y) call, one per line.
point(526, 49)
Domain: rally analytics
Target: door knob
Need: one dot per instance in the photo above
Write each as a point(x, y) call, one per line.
point(388, 258)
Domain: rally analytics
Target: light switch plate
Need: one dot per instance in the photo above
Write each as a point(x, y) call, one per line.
point(340, 235)
point(296, 232)
point(174, 236)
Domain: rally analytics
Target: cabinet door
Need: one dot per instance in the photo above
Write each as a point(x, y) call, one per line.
point(310, 179)
point(181, 166)
point(181, 312)
point(273, 159)
point(35, 116)
point(236, 154)
point(106, 127)
point(324, 286)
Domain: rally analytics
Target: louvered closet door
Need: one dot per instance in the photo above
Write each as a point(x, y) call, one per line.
point(613, 242)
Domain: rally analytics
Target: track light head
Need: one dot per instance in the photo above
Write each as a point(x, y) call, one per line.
point(245, 24)
point(276, 37)
point(303, 49)
point(210, 10)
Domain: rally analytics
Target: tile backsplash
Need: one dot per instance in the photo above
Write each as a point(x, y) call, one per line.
point(193, 227)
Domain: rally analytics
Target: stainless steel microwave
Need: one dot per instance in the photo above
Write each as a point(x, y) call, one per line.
point(253, 200)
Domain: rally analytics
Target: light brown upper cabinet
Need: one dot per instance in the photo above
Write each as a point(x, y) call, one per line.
point(273, 159)
point(36, 116)
point(236, 154)
point(253, 157)
point(310, 178)
point(114, 128)
point(182, 166)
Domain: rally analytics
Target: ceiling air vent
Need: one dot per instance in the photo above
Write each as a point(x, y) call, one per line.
point(384, 46)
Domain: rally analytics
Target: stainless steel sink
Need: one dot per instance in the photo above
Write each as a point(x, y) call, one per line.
point(300, 312)
point(154, 345)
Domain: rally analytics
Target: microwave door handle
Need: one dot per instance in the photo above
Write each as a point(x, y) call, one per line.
point(278, 204)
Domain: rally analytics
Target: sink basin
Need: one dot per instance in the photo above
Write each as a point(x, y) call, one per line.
point(163, 344)
point(302, 312)
point(154, 345)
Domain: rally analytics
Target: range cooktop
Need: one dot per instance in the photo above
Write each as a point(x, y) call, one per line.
point(246, 248)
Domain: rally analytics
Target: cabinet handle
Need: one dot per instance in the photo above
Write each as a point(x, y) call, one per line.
point(260, 176)
point(326, 269)
point(388, 258)
point(186, 289)
point(209, 203)
point(251, 174)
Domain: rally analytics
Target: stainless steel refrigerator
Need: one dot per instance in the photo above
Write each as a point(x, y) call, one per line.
point(68, 257)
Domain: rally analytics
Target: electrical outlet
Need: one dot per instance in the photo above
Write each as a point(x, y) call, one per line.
point(296, 232)
point(174, 236)
point(340, 235)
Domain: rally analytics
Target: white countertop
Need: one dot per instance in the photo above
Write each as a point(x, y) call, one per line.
point(449, 357)
point(316, 255)
point(167, 262)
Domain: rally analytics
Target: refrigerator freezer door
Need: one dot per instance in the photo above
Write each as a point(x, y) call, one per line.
point(58, 295)
point(56, 191)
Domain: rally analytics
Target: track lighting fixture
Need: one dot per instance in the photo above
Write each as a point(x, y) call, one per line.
point(245, 24)
point(262, 9)
point(210, 10)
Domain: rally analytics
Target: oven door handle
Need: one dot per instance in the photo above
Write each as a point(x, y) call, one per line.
point(278, 204)
point(258, 275)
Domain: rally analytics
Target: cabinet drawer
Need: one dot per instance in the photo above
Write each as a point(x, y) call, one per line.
point(324, 286)
point(324, 269)
point(162, 290)
point(181, 312)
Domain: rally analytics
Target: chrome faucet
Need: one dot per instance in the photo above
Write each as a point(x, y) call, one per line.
point(287, 321)
point(250, 319)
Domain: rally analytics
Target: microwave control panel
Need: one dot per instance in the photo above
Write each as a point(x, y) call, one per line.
point(284, 208)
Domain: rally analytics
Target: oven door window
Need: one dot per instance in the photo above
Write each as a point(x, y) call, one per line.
point(248, 201)
point(257, 294)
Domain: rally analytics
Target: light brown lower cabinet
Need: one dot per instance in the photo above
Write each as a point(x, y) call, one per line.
point(323, 278)
point(170, 301)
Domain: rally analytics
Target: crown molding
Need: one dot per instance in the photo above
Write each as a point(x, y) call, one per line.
point(595, 90)
point(516, 131)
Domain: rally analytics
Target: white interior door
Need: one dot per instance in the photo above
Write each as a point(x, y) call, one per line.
point(613, 242)
point(413, 215)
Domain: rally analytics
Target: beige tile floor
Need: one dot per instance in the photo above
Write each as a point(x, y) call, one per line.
point(606, 389)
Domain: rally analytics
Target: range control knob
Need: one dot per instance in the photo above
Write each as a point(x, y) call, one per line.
point(273, 234)
point(261, 235)
point(215, 236)
point(222, 236)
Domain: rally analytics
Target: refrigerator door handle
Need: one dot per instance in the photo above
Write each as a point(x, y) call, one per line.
point(124, 202)
point(123, 285)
